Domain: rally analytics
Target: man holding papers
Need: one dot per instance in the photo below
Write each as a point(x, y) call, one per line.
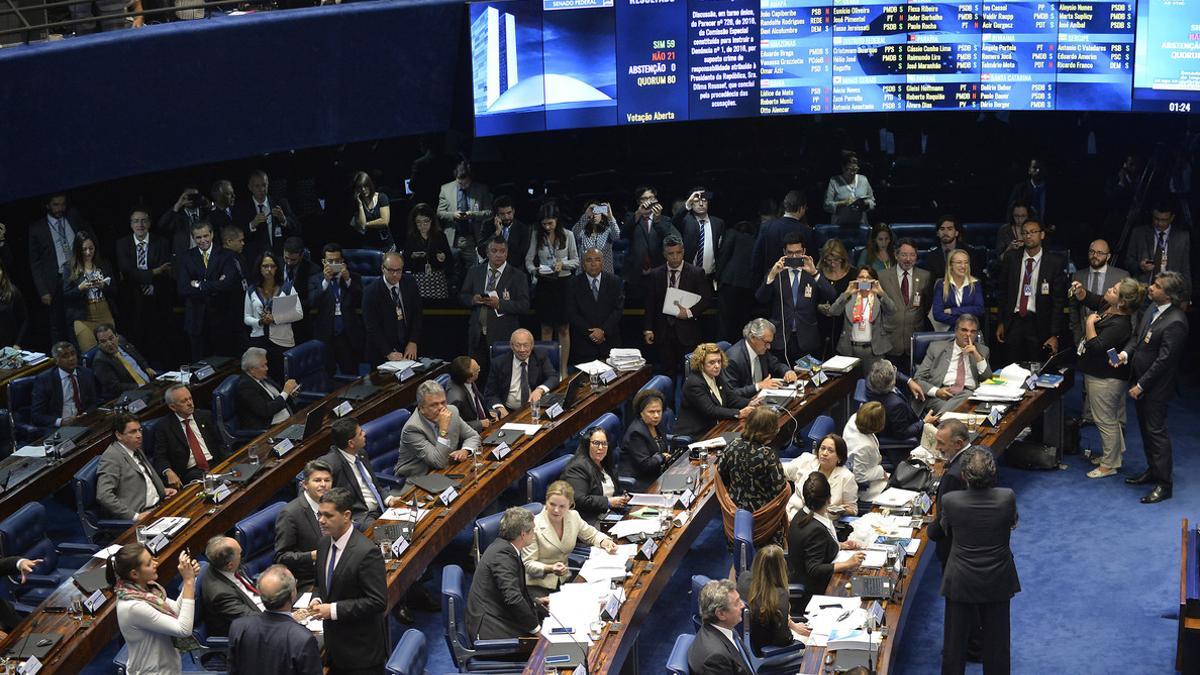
point(496, 294)
point(677, 295)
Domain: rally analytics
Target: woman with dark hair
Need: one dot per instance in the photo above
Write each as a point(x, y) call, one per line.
point(371, 215)
point(14, 319)
point(268, 331)
point(155, 628)
point(749, 466)
point(707, 397)
point(829, 459)
point(88, 293)
point(1010, 237)
point(865, 309)
point(849, 197)
point(597, 229)
point(645, 441)
point(551, 260)
point(462, 392)
point(765, 589)
point(813, 545)
point(427, 254)
point(591, 475)
point(737, 283)
point(880, 252)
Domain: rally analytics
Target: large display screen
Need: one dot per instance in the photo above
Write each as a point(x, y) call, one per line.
point(554, 64)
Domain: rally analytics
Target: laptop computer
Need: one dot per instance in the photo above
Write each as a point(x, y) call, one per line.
point(360, 391)
point(433, 483)
point(244, 473)
point(873, 587)
point(312, 423)
point(569, 398)
point(678, 481)
point(499, 436)
point(89, 581)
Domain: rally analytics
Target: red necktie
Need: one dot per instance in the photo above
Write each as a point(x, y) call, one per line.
point(960, 375)
point(194, 444)
point(904, 290)
point(1025, 284)
point(75, 395)
point(246, 582)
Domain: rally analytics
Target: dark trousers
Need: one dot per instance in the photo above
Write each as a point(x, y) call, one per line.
point(1022, 341)
point(672, 350)
point(342, 354)
point(737, 308)
point(149, 316)
point(992, 620)
point(1152, 423)
point(797, 344)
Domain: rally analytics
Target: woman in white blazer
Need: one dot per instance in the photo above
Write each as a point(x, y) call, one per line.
point(863, 449)
point(556, 530)
point(270, 325)
point(829, 458)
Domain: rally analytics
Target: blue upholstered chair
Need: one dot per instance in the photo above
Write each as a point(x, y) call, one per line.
point(20, 404)
point(305, 363)
point(540, 477)
point(487, 528)
point(97, 526)
point(256, 534)
point(677, 662)
point(225, 408)
point(743, 540)
point(920, 344)
point(383, 445)
point(410, 654)
point(24, 534)
point(471, 656)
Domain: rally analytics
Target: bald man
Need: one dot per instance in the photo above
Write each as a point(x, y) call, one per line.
point(520, 379)
point(391, 309)
point(293, 647)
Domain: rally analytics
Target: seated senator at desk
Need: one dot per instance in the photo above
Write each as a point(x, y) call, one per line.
point(260, 402)
point(765, 589)
point(862, 447)
point(901, 420)
point(126, 485)
point(186, 443)
point(62, 394)
point(645, 441)
point(523, 378)
point(435, 435)
point(717, 649)
point(829, 460)
point(707, 397)
point(227, 593)
point(499, 605)
point(118, 366)
point(151, 623)
point(352, 470)
point(752, 366)
point(951, 369)
point(463, 393)
point(813, 543)
point(293, 647)
point(591, 475)
point(297, 531)
point(556, 531)
point(750, 468)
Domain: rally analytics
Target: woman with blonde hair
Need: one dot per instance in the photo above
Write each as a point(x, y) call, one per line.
point(707, 398)
point(834, 267)
point(556, 530)
point(960, 293)
point(766, 592)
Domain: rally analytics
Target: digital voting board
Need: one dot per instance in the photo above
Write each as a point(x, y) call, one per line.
point(562, 64)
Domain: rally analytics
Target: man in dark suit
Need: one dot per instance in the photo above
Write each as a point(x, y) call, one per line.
point(352, 470)
point(499, 605)
point(351, 594)
point(646, 229)
point(953, 438)
point(209, 285)
point(266, 221)
point(336, 295)
point(504, 224)
point(297, 533)
point(701, 232)
point(520, 380)
point(186, 442)
point(1031, 191)
point(768, 246)
point(260, 402)
point(392, 314)
point(11, 567)
point(678, 334)
point(718, 649)
point(1160, 247)
point(981, 576)
point(226, 591)
point(223, 198)
point(144, 263)
point(292, 648)
point(462, 392)
point(901, 420)
point(118, 366)
point(1155, 353)
point(298, 273)
point(176, 223)
point(1032, 297)
point(51, 239)
point(951, 369)
point(63, 393)
point(595, 301)
point(752, 366)
point(497, 293)
point(793, 288)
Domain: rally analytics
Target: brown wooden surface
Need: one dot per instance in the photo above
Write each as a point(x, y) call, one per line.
point(52, 477)
point(648, 578)
point(81, 642)
point(8, 375)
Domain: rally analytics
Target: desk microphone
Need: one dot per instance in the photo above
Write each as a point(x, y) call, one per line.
point(582, 646)
point(870, 647)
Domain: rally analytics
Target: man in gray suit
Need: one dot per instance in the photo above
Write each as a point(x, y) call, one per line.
point(127, 486)
point(1160, 247)
point(951, 369)
point(463, 204)
point(910, 289)
point(1096, 278)
point(435, 436)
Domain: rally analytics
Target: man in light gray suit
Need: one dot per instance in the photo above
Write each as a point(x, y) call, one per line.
point(951, 369)
point(910, 289)
point(435, 435)
point(1096, 278)
point(127, 486)
point(463, 204)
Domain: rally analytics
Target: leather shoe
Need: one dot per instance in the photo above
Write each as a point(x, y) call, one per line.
point(404, 615)
point(1142, 478)
point(1159, 493)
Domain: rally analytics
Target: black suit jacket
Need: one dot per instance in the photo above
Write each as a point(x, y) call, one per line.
point(541, 374)
point(811, 552)
point(645, 250)
point(513, 291)
point(8, 615)
point(700, 409)
point(712, 653)
point(158, 252)
point(518, 238)
point(585, 312)
point(456, 395)
point(322, 300)
point(733, 266)
point(255, 407)
point(768, 247)
point(691, 279)
point(902, 421)
point(689, 228)
point(171, 449)
point(176, 226)
point(358, 639)
point(220, 290)
point(1155, 355)
point(75, 300)
point(981, 566)
point(292, 648)
point(222, 602)
point(48, 395)
point(346, 475)
point(256, 242)
point(297, 535)
point(586, 480)
point(42, 260)
point(738, 374)
point(951, 482)
point(112, 376)
point(386, 333)
point(802, 314)
point(498, 603)
point(642, 452)
point(1049, 315)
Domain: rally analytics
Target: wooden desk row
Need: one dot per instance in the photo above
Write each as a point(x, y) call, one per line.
point(81, 642)
point(647, 579)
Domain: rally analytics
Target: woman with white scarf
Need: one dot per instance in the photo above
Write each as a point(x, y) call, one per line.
point(866, 308)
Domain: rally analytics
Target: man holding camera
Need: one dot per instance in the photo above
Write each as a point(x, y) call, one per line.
point(646, 228)
point(793, 289)
point(701, 232)
point(336, 294)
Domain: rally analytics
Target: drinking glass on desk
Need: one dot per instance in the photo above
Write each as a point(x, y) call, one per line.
point(535, 412)
point(253, 456)
point(185, 374)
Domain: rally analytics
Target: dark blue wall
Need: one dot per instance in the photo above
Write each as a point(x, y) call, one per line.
point(105, 106)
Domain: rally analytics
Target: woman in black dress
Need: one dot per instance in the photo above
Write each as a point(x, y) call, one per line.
point(551, 260)
point(813, 544)
point(766, 593)
point(427, 254)
point(590, 473)
point(645, 442)
point(371, 216)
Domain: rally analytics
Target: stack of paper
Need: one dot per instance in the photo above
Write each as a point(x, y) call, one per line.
point(628, 528)
point(527, 429)
point(840, 364)
point(594, 367)
point(170, 376)
point(396, 366)
point(602, 566)
point(404, 513)
point(624, 360)
point(827, 614)
point(32, 358)
point(168, 525)
point(894, 497)
point(710, 444)
point(1006, 385)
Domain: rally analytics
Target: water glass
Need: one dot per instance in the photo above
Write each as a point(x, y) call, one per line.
point(253, 457)
point(185, 374)
point(535, 412)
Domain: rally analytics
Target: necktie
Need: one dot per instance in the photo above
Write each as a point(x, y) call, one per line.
point(194, 444)
point(204, 257)
point(476, 398)
point(1026, 287)
point(595, 288)
point(462, 201)
point(960, 374)
point(755, 369)
point(699, 261)
point(742, 650)
point(1094, 286)
point(492, 279)
point(672, 282)
point(241, 576)
point(904, 290)
point(262, 209)
point(1150, 314)
point(75, 394)
point(142, 264)
point(1159, 253)
point(398, 301)
point(144, 465)
point(135, 371)
point(329, 569)
point(524, 382)
point(366, 478)
point(795, 289)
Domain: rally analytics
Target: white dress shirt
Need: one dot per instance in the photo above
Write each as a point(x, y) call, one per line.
point(861, 331)
point(199, 438)
point(1034, 284)
point(365, 490)
point(513, 402)
point(151, 490)
point(275, 393)
point(827, 523)
point(281, 332)
point(969, 382)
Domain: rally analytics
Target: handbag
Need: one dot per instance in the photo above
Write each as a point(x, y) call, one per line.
point(432, 285)
point(912, 474)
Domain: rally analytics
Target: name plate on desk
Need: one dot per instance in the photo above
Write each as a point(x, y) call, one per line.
point(206, 371)
point(686, 497)
point(405, 374)
point(648, 548)
point(65, 447)
point(875, 611)
point(608, 376)
point(501, 451)
point(994, 415)
point(136, 406)
point(819, 378)
point(1031, 382)
point(220, 493)
point(612, 608)
point(282, 447)
point(448, 495)
point(94, 601)
point(158, 543)
point(32, 665)
point(399, 546)
point(554, 410)
point(342, 409)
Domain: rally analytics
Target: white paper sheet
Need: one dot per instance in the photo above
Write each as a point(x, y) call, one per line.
point(396, 366)
point(286, 309)
point(628, 528)
point(527, 429)
point(651, 499)
point(685, 299)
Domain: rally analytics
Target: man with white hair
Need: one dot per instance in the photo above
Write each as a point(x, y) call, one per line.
point(435, 436)
point(260, 402)
point(752, 367)
point(522, 379)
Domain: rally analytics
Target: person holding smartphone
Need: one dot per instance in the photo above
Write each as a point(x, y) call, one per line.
point(597, 229)
point(793, 289)
point(865, 307)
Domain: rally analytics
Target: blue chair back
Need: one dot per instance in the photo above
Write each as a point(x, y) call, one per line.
point(383, 440)
point(226, 411)
point(148, 429)
point(663, 385)
point(364, 261)
point(540, 477)
point(410, 654)
point(199, 626)
point(698, 581)
point(487, 528)
point(89, 356)
point(668, 420)
point(305, 363)
point(820, 427)
point(611, 424)
point(256, 534)
point(20, 402)
point(443, 379)
point(860, 391)
point(24, 534)
point(454, 608)
point(743, 540)
point(677, 662)
point(920, 344)
point(548, 347)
